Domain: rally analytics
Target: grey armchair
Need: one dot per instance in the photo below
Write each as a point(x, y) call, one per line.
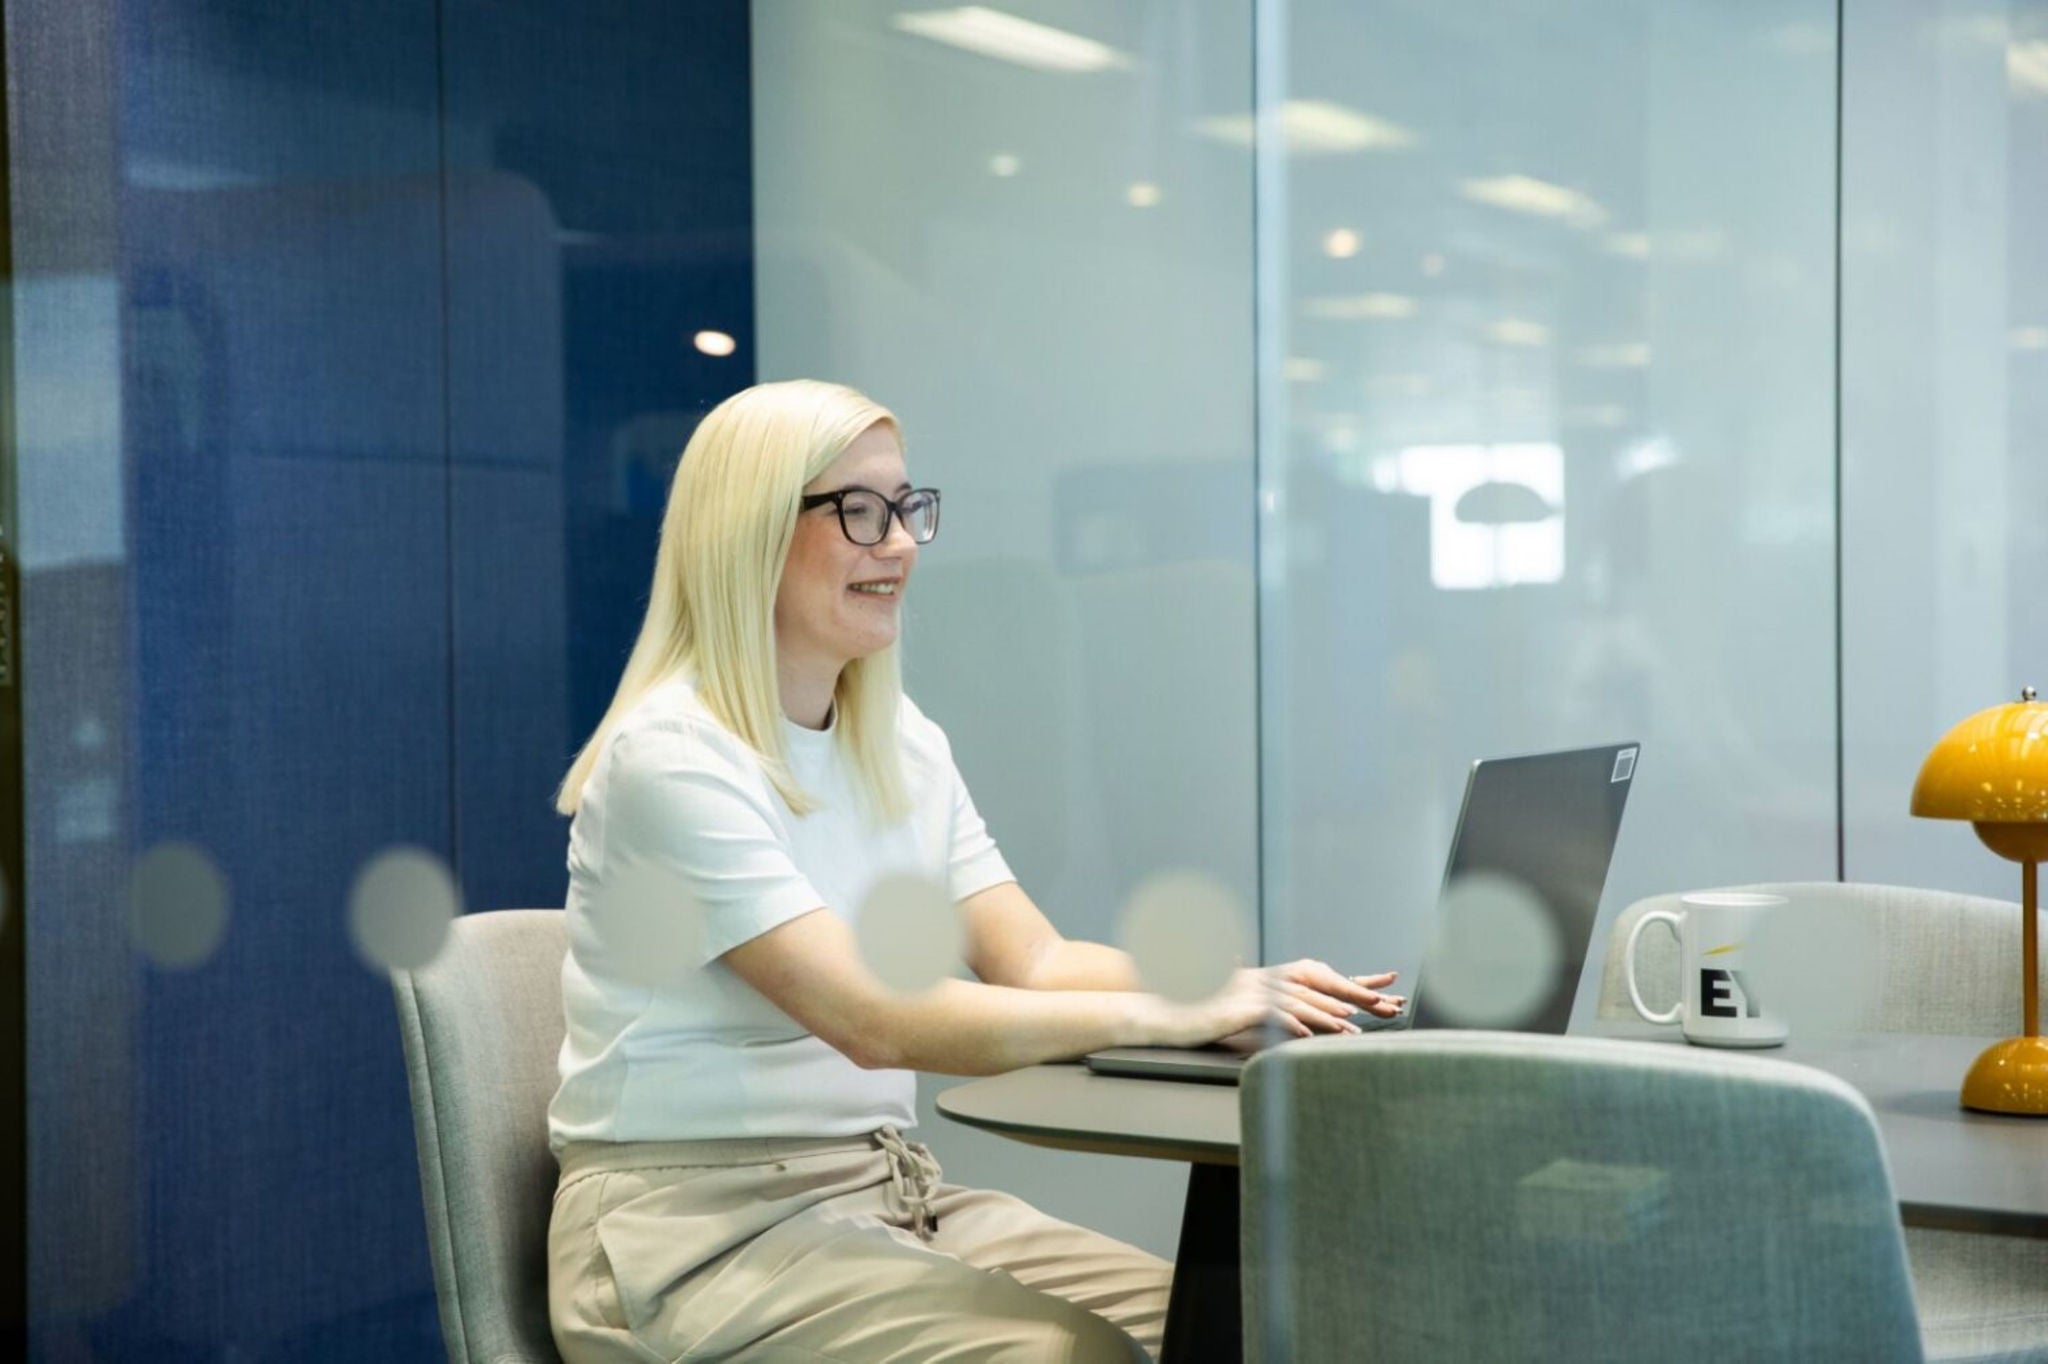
point(482, 1025)
point(1497, 1196)
point(1956, 958)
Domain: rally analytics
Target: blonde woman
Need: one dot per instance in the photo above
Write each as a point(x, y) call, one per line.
point(734, 1179)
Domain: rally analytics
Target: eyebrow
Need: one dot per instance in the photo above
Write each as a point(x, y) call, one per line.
point(901, 489)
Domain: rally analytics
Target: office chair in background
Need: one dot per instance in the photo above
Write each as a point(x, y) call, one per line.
point(1945, 969)
point(482, 1025)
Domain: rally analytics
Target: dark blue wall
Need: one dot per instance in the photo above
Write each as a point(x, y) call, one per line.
point(406, 293)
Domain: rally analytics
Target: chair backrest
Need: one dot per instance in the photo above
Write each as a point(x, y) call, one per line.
point(482, 1026)
point(1948, 964)
point(1500, 1196)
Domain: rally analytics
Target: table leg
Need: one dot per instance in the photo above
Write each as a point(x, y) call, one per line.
point(1204, 1316)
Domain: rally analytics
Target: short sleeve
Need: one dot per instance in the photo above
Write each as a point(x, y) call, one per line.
point(685, 806)
point(973, 863)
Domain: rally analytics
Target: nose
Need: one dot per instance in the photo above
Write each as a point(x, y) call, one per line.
point(897, 544)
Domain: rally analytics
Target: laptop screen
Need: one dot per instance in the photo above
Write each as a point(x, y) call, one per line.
point(1522, 889)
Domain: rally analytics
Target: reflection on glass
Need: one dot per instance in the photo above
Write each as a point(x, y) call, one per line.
point(1496, 513)
point(1580, 259)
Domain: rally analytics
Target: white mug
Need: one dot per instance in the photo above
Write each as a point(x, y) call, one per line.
point(1718, 1006)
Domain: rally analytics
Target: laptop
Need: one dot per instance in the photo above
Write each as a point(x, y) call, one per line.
point(1527, 865)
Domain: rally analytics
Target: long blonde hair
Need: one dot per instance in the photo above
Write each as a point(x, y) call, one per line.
point(731, 515)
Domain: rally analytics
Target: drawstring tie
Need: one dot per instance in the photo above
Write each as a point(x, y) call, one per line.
point(913, 1177)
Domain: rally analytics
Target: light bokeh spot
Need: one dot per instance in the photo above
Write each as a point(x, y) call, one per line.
point(178, 906)
point(1818, 966)
point(1494, 955)
point(400, 909)
point(650, 925)
point(909, 933)
point(1187, 933)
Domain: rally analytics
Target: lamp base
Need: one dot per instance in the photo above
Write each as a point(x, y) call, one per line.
point(2010, 1077)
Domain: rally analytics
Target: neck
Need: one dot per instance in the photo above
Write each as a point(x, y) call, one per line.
point(806, 692)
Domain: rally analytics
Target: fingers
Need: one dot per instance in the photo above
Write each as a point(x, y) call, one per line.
point(1326, 1013)
point(1315, 1011)
point(1341, 994)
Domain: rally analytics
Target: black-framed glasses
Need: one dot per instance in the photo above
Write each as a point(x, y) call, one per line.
point(864, 513)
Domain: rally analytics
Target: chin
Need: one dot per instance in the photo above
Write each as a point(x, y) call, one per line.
point(862, 643)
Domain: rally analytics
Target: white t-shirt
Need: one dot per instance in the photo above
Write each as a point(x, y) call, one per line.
point(679, 1048)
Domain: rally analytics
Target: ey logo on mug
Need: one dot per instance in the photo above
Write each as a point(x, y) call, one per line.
point(1718, 1006)
point(1725, 994)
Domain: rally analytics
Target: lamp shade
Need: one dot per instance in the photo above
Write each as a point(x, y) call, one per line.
point(1990, 769)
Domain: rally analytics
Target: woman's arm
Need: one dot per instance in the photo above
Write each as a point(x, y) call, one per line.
point(1011, 942)
point(811, 969)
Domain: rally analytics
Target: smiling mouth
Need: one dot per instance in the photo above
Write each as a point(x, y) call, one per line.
point(889, 589)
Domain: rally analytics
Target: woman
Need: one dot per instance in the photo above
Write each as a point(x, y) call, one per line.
point(734, 1182)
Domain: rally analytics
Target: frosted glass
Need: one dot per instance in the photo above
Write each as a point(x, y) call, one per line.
point(1047, 274)
point(1550, 456)
point(1944, 406)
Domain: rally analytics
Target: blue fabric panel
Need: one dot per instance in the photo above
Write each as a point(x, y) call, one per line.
point(286, 599)
point(599, 215)
point(402, 294)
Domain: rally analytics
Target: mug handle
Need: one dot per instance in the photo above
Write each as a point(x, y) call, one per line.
point(1635, 995)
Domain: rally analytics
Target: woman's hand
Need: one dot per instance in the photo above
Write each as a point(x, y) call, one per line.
point(1323, 999)
point(1298, 999)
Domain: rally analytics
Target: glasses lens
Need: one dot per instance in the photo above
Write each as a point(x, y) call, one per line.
point(865, 516)
point(920, 513)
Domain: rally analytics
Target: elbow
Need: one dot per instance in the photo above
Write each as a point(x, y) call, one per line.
point(867, 1040)
point(871, 1049)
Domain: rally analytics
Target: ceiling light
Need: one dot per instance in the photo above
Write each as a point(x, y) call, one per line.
point(992, 33)
point(1303, 369)
point(2026, 67)
point(1313, 127)
point(714, 343)
point(1513, 331)
point(1526, 194)
point(1005, 165)
point(1607, 416)
point(1622, 355)
point(2030, 338)
point(1359, 307)
point(1342, 244)
point(1143, 194)
point(1634, 245)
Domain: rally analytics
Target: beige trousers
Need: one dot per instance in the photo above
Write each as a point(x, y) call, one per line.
point(844, 1249)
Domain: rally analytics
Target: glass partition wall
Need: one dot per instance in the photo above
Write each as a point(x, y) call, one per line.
point(1329, 395)
point(1033, 239)
point(1548, 408)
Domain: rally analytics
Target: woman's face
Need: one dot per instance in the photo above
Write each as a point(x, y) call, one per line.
point(839, 601)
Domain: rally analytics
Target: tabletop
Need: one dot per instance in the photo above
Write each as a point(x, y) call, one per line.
point(1950, 1167)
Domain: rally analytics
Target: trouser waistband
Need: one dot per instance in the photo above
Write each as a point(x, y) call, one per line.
point(580, 1158)
point(913, 1174)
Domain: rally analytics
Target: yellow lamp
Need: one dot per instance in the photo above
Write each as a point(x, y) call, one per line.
point(1992, 769)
